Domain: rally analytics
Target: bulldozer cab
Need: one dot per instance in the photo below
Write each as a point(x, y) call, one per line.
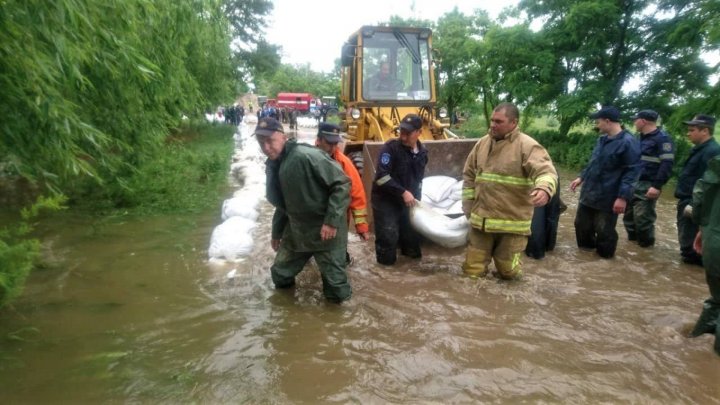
point(387, 73)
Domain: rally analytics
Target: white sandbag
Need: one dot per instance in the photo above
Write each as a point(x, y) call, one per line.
point(445, 231)
point(456, 191)
point(455, 210)
point(232, 239)
point(240, 207)
point(437, 188)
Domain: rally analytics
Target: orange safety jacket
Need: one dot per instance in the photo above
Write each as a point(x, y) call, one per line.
point(358, 201)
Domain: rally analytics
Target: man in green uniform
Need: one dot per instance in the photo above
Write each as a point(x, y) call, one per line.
point(706, 212)
point(311, 195)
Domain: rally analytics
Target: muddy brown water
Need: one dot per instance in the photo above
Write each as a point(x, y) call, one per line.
point(129, 310)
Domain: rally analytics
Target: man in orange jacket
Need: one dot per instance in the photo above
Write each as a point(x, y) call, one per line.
point(328, 138)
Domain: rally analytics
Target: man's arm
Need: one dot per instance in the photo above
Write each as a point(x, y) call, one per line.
point(469, 175)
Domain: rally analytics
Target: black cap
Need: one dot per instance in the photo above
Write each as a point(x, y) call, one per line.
point(609, 113)
point(702, 120)
point(411, 122)
point(329, 132)
point(647, 115)
point(268, 126)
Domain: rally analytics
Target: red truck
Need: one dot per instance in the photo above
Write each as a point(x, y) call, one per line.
point(301, 102)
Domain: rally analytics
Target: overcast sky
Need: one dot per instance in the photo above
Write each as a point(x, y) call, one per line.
point(314, 31)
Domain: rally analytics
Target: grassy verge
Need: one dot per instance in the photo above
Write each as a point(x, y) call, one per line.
point(187, 174)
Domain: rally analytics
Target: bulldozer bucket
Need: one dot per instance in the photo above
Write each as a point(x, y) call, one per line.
point(445, 158)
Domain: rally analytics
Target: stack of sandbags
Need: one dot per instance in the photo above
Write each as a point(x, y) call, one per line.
point(232, 240)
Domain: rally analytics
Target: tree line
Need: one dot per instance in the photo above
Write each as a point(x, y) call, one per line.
point(92, 88)
point(583, 54)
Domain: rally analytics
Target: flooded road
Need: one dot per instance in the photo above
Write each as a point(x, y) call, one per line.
point(129, 310)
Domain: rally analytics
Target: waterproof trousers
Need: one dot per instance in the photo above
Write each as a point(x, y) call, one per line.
point(595, 230)
point(331, 264)
point(504, 249)
point(687, 229)
point(640, 216)
point(392, 228)
point(543, 228)
point(709, 321)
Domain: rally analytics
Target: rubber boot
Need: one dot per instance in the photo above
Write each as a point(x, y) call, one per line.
point(706, 323)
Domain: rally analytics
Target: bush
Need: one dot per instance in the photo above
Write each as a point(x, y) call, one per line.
point(185, 174)
point(18, 255)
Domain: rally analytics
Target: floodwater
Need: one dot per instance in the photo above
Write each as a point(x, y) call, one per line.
point(129, 310)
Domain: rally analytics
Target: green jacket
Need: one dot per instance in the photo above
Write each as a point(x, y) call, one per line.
point(308, 189)
point(706, 199)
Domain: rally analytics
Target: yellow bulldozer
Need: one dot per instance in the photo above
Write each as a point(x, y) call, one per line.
point(388, 72)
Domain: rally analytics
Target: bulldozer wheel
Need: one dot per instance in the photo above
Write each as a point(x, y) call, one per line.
point(357, 159)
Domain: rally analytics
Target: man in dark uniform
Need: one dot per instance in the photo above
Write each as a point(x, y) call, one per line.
point(706, 213)
point(656, 160)
point(607, 184)
point(311, 194)
point(700, 133)
point(397, 184)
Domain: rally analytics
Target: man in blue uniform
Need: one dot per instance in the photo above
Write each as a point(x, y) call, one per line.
point(311, 195)
point(607, 184)
point(656, 160)
point(700, 133)
point(397, 184)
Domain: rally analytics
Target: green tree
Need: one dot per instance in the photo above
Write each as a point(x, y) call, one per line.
point(601, 44)
point(456, 43)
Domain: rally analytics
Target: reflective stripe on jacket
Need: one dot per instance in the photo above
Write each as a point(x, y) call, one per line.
point(657, 156)
point(358, 201)
point(498, 178)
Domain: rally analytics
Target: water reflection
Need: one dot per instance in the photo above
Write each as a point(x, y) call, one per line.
point(129, 310)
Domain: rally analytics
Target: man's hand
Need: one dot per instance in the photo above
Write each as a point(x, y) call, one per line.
point(275, 244)
point(697, 243)
point(327, 232)
point(575, 183)
point(653, 193)
point(409, 199)
point(619, 206)
point(364, 235)
point(539, 197)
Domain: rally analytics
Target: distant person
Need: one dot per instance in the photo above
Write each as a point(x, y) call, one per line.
point(607, 184)
point(506, 174)
point(700, 132)
point(656, 161)
point(310, 194)
point(328, 139)
point(397, 185)
point(706, 213)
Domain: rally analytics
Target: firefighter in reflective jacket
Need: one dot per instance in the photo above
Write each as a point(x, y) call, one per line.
point(506, 175)
point(328, 138)
point(397, 184)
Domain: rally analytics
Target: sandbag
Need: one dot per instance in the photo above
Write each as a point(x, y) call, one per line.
point(437, 188)
point(242, 206)
point(232, 239)
point(443, 230)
